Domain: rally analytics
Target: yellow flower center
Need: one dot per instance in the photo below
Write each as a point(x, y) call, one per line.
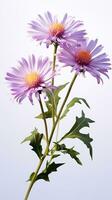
point(32, 79)
point(83, 57)
point(57, 29)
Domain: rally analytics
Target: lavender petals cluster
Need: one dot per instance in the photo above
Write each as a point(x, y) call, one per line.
point(75, 51)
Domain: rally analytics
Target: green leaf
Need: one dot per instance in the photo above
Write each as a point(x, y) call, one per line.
point(53, 98)
point(72, 153)
point(48, 170)
point(85, 138)
point(35, 141)
point(72, 103)
point(75, 131)
point(80, 123)
point(47, 114)
point(59, 147)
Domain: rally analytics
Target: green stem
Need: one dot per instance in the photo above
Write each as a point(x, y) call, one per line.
point(57, 131)
point(34, 178)
point(54, 60)
point(53, 69)
point(61, 109)
point(45, 123)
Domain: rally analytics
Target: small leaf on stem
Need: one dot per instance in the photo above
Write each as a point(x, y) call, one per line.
point(72, 153)
point(35, 141)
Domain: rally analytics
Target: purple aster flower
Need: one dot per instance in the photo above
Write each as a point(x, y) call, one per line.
point(31, 77)
point(85, 57)
point(50, 30)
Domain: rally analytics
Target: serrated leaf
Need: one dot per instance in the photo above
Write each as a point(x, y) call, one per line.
point(85, 138)
point(81, 123)
point(35, 141)
point(75, 131)
point(53, 98)
point(72, 153)
point(48, 170)
point(72, 103)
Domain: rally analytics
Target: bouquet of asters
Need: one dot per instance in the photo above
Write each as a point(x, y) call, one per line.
point(35, 78)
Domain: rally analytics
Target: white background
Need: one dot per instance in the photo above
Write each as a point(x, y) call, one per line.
point(92, 181)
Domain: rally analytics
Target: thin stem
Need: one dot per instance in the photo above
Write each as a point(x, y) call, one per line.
point(43, 113)
point(61, 109)
point(54, 60)
point(53, 69)
point(34, 178)
point(53, 110)
point(57, 131)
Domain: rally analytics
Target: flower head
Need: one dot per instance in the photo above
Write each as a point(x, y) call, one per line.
point(31, 77)
point(85, 57)
point(50, 30)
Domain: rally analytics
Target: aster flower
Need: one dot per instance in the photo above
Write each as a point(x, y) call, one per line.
point(85, 57)
point(31, 77)
point(50, 30)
